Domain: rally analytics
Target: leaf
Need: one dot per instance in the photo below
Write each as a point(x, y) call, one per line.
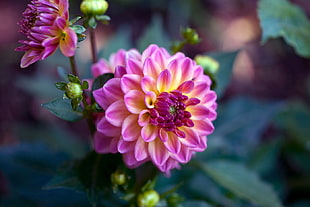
point(90, 174)
point(223, 76)
point(195, 203)
point(280, 18)
point(62, 108)
point(242, 182)
point(26, 168)
point(101, 80)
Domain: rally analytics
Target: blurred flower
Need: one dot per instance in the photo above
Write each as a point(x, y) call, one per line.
point(46, 26)
point(158, 108)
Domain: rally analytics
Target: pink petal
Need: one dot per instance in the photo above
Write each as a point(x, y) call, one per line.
point(164, 81)
point(124, 147)
point(28, 60)
point(104, 127)
point(183, 156)
point(149, 51)
point(199, 91)
point(176, 72)
point(192, 139)
point(101, 67)
point(150, 99)
point(130, 160)
point(134, 101)
point(130, 82)
point(187, 69)
point(149, 133)
point(119, 71)
point(130, 128)
point(100, 98)
point(61, 23)
point(203, 127)
point(186, 87)
point(141, 150)
point(160, 58)
point(68, 43)
point(105, 144)
point(134, 67)
point(163, 135)
point(199, 112)
point(118, 58)
point(116, 113)
point(112, 90)
point(148, 84)
point(173, 144)
point(158, 152)
point(144, 118)
point(151, 68)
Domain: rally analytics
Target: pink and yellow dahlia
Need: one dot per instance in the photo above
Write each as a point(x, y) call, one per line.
point(158, 108)
point(46, 26)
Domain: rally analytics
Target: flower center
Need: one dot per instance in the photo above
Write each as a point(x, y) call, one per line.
point(170, 112)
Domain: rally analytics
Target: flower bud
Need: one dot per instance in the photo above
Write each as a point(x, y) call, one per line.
point(73, 90)
point(210, 65)
point(118, 178)
point(148, 198)
point(94, 7)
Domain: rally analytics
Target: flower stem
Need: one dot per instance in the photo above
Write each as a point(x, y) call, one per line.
point(73, 66)
point(93, 44)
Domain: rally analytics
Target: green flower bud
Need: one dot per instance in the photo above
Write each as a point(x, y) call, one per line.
point(73, 90)
point(210, 65)
point(94, 7)
point(118, 178)
point(148, 198)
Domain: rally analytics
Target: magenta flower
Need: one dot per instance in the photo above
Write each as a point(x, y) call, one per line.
point(158, 108)
point(46, 26)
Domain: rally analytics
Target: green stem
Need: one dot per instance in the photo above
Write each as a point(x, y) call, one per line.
point(73, 66)
point(93, 45)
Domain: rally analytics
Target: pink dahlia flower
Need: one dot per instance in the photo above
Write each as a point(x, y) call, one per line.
point(46, 26)
point(158, 108)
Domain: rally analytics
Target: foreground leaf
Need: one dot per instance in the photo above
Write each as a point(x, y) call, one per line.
point(62, 108)
point(242, 182)
point(280, 18)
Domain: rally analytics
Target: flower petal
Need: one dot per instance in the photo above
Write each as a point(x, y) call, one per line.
point(164, 81)
point(134, 101)
point(198, 112)
point(68, 42)
point(141, 152)
point(124, 147)
point(130, 82)
point(130, 128)
point(203, 127)
point(151, 68)
point(148, 84)
point(105, 144)
point(192, 139)
point(158, 152)
point(149, 133)
point(134, 67)
point(116, 113)
point(104, 127)
point(186, 87)
point(173, 144)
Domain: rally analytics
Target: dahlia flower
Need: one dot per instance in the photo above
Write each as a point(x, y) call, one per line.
point(158, 108)
point(46, 26)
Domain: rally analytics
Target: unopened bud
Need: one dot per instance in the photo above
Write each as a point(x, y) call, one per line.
point(210, 65)
point(118, 178)
point(73, 90)
point(94, 7)
point(148, 198)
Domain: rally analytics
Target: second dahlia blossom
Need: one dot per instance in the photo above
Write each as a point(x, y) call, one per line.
point(158, 108)
point(45, 24)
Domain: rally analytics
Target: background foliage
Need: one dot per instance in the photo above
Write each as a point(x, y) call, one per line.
point(259, 152)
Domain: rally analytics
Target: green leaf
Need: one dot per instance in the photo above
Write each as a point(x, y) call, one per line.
point(73, 78)
point(90, 174)
point(101, 80)
point(61, 86)
point(280, 18)
point(242, 182)
point(62, 108)
point(223, 76)
point(79, 29)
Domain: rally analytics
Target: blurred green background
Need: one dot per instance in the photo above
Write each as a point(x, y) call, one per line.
point(263, 116)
